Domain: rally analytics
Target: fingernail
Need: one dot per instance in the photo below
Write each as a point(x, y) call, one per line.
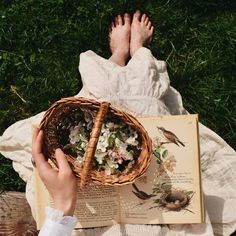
point(58, 150)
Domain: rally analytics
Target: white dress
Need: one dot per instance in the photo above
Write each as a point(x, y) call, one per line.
point(141, 88)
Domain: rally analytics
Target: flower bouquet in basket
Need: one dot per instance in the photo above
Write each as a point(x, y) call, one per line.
point(101, 142)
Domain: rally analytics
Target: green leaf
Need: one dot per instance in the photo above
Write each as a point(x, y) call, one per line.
point(157, 154)
point(190, 192)
point(157, 201)
point(165, 153)
point(166, 187)
point(157, 190)
point(111, 141)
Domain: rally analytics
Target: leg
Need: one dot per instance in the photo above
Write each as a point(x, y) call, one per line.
point(141, 32)
point(119, 40)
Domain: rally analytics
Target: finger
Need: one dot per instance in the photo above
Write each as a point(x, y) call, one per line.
point(62, 162)
point(39, 158)
point(42, 164)
point(35, 131)
point(38, 142)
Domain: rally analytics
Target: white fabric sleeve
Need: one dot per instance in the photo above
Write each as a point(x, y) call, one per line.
point(56, 224)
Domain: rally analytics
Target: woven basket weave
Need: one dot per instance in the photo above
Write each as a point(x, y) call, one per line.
point(64, 108)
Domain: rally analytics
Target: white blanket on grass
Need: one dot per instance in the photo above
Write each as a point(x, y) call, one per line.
point(141, 88)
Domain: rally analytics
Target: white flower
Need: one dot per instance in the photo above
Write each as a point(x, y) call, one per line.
point(170, 163)
point(128, 156)
point(80, 159)
point(102, 145)
point(112, 164)
point(100, 156)
point(121, 145)
point(83, 145)
point(111, 154)
point(74, 133)
point(103, 140)
point(107, 170)
point(132, 141)
point(110, 167)
point(110, 125)
point(112, 145)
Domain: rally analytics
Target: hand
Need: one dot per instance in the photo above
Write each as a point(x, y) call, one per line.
point(61, 183)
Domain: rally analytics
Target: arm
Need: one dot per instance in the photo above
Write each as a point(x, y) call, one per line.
point(62, 186)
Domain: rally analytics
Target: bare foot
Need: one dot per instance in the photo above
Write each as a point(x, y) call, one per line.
point(120, 39)
point(141, 32)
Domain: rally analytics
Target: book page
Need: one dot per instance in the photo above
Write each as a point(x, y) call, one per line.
point(42, 199)
point(96, 205)
point(170, 190)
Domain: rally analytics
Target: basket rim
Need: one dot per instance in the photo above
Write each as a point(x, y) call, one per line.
point(142, 161)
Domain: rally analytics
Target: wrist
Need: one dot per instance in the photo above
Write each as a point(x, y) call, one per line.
point(68, 208)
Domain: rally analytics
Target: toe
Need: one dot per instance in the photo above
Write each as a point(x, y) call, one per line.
point(116, 21)
point(137, 15)
point(149, 25)
point(146, 21)
point(120, 22)
point(126, 18)
point(113, 25)
point(144, 17)
point(152, 29)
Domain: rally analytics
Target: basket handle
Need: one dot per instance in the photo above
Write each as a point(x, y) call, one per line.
point(92, 144)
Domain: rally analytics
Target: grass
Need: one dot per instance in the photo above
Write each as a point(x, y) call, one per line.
point(40, 43)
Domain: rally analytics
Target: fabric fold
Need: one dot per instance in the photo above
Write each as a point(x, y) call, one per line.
point(143, 82)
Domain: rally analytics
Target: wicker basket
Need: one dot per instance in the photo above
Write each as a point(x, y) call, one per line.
point(64, 108)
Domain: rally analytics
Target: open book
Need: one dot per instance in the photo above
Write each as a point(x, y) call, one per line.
point(168, 193)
